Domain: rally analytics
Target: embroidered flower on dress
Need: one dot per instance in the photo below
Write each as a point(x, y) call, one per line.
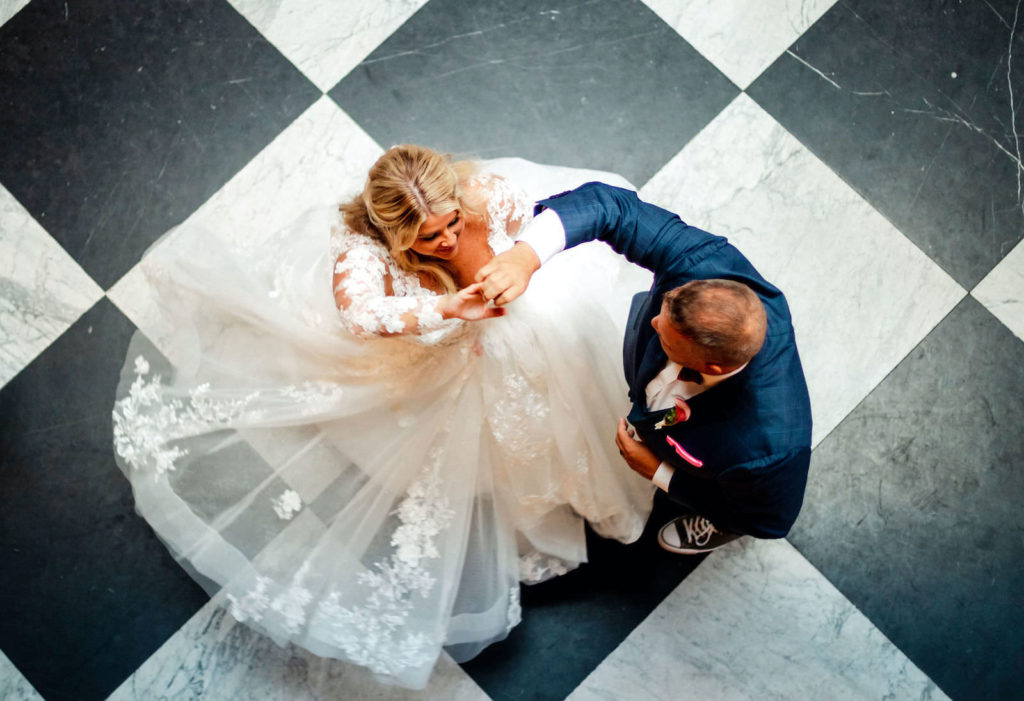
point(535, 567)
point(287, 505)
point(515, 610)
point(374, 634)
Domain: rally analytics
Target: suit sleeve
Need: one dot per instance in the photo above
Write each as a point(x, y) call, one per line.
point(644, 233)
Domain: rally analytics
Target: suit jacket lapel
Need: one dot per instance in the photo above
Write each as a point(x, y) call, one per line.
point(651, 364)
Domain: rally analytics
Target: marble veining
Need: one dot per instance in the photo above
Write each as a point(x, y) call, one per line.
point(741, 37)
point(1002, 291)
point(756, 620)
point(326, 40)
point(43, 289)
point(955, 117)
point(13, 686)
point(747, 178)
point(315, 163)
point(215, 658)
point(885, 98)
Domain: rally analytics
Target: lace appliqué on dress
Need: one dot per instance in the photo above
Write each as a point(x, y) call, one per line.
point(373, 634)
point(147, 420)
point(535, 567)
point(507, 206)
point(515, 609)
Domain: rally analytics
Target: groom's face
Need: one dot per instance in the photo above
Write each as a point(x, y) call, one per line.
point(678, 347)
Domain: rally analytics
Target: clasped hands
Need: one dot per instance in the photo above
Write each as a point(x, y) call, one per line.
point(501, 280)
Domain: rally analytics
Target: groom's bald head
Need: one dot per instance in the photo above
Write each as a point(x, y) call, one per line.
point(724, 319)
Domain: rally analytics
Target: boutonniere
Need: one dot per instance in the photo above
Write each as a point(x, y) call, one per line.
point(678, 413)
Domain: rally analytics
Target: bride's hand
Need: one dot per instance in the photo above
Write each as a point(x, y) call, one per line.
point(468, 304)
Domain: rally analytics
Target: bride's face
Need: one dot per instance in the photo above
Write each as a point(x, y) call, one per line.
point(439, 235)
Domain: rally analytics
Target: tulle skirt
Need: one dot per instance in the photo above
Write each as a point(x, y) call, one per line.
point(375, 500)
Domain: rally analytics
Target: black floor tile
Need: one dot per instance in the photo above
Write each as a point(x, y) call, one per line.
point(913, 506)
point(604, 84)
point(571, 623)
point(117, 120)
point(913, 110)
point(87, 592)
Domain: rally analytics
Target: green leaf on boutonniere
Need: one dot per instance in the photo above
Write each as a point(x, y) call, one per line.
point(670, 418)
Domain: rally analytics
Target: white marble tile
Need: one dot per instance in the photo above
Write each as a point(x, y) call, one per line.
point(756, 621)
point(862, 295)
point(13, 686)
point(318, 161)
point(44, 289)
point(214, 658)
point(326, 39)
point(741, 37)
point(1002, 290)
point(9, 8)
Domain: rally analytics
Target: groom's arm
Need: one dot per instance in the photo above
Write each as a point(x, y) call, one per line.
point(647, 235)
point(507, 275)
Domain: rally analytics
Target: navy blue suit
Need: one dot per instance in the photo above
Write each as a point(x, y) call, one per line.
point(753, 430)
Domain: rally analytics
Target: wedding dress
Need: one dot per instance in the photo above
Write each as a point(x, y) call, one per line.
point(375, 499)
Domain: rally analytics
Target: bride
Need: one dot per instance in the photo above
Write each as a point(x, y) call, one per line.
point(371, 477)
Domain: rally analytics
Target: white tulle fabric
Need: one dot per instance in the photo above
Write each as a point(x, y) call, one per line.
point(376, 499)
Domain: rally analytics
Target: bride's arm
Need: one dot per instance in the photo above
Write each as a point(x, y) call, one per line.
point(368, 307)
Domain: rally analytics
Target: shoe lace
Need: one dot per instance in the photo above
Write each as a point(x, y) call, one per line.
point(699, 530)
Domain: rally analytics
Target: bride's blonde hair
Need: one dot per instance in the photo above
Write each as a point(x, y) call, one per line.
point(405, 186)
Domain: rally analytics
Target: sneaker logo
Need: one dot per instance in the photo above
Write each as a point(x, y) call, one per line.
point(698, 530)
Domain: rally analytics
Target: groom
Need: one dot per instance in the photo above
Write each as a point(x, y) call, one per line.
point(721, 419)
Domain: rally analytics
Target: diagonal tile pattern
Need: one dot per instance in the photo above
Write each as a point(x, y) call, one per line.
point(564, 73)
point(119, 120)
point(864, 155)
point(913, 107)
point(1002, 291)
point(9, 8)
point(44, 289)
point(921, 505)
point(13, 686)
point(326, 40)
point(757, 621)
point(741, 37)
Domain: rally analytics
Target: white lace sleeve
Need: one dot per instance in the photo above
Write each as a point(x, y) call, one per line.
point(363, 274)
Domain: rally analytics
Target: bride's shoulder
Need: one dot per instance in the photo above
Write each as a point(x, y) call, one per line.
point(493, 192)
point(345, 241)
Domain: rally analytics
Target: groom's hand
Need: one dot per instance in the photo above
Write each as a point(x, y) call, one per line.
point(506, 276)
point(637, 455)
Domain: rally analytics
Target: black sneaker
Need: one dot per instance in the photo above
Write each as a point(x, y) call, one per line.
point(692, 535)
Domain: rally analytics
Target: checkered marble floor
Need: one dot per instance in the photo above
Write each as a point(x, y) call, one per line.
point(863, 154)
